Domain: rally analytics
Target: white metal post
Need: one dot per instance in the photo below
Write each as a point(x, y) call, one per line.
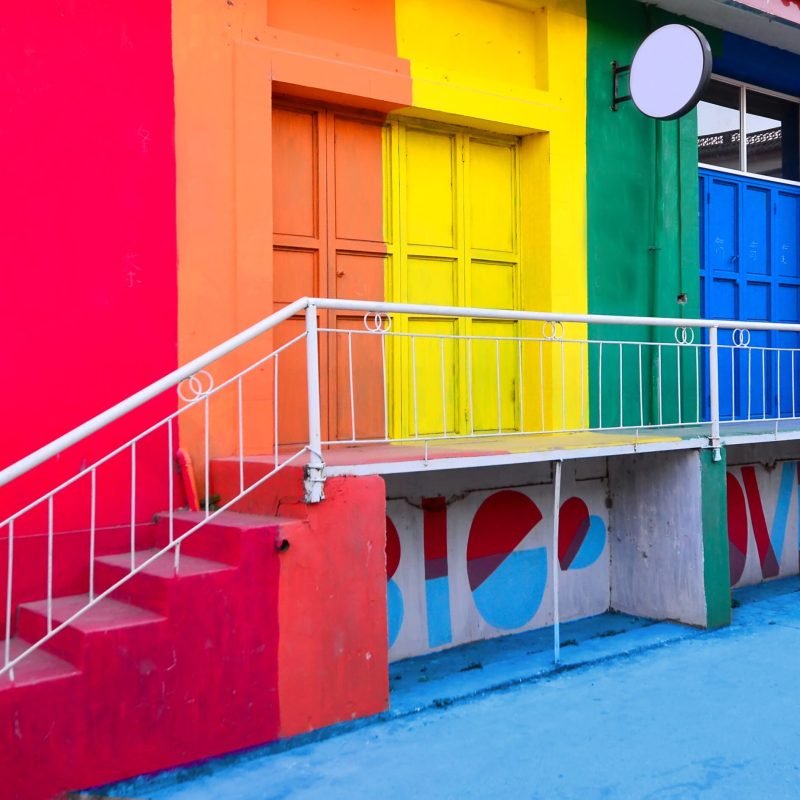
point(315, 471)
point(556, 562)
point(713, 388)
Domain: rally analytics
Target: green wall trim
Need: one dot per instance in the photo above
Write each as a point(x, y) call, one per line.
point(716, 563)
point(643, 235)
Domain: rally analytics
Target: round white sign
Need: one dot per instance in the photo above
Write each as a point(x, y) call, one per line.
point(670, 71)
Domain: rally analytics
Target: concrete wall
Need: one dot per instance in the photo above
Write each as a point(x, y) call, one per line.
point(656, 538)
point(470, 553)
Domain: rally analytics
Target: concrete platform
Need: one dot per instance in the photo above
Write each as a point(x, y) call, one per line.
point(425, 455)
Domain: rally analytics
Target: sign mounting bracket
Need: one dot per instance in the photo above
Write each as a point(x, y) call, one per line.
point(617, 70)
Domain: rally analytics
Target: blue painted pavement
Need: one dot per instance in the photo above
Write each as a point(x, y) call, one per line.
point(639, 711)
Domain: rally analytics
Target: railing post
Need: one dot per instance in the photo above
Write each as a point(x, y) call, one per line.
point(315, 470)
point(713, 381)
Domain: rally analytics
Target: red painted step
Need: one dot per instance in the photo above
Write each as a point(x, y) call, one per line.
point(36, 668)
point(105, 619)
point(170, 669)
point(249, 641)
point(155, 586)
point(223, 539)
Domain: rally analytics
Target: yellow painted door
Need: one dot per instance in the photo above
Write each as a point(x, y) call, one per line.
point(456, 195)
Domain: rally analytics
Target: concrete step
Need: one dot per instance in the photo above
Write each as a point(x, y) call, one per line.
point(224, 539)
point(39, 667)
point(154, 587)
point(107, 620)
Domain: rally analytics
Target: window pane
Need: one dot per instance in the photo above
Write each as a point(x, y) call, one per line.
point(772, 136)
point(718, 126)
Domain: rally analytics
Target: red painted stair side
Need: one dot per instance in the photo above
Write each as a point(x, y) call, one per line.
point(38, 707)
point(248, 642)
point(172, 670)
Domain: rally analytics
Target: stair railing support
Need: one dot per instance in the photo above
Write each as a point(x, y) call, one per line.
point(315, 469)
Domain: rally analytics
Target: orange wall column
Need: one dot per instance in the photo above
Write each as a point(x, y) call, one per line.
point(333, 647)
point(229, 61)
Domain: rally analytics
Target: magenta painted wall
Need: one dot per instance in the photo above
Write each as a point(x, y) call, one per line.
point(88, 253)
point(785, 9)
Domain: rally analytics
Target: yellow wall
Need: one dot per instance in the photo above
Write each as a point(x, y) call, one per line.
point(517, 67)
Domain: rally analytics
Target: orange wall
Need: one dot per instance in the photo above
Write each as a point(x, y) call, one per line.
point(333, 652)
point(367, 24)
point(229, 61)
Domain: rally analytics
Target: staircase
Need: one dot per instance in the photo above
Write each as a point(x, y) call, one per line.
point(169, 669)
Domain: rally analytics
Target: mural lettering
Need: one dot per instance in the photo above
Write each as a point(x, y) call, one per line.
point(757, 550)
point(437, 585)
point(480, 565)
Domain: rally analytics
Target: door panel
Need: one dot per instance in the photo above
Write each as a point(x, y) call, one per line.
point(298, 254)
point(757, 217)
point(457, 193)
point(432, 280)
point(296, 274)
point(433, 393)
point(493, 284)
point(359, 380)
point(495, 369)
point(328, 241)
point(749, 271)
point(431, 189)
point(357, 180)
point(492, 194)
point(787, 225)
point(356, 265)
point(295, 171)
point(723, 221)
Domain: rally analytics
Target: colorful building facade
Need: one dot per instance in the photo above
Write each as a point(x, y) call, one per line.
point(181, 170)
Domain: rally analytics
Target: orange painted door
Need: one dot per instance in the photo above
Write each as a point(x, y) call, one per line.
point(328, 242)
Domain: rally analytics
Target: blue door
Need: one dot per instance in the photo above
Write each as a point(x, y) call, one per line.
point(749, 270)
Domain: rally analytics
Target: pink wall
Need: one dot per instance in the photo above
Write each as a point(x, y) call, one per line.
point(88, 247)
point(785, 9)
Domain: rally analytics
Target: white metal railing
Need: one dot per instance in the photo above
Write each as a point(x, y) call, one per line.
point(196, 388)
point(374, 372)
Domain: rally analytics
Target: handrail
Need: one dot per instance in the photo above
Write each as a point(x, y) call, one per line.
point(141, 397)
point(548, 316)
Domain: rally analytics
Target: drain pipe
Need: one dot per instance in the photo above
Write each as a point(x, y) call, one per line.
point(556, 563)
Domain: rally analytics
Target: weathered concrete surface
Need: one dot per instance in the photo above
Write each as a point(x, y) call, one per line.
point(656, 536)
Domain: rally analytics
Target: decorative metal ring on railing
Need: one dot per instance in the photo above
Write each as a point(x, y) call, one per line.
point(684, 335)
point(196, 386)
point(740, 337)
point(375, 322)
point(553, 330)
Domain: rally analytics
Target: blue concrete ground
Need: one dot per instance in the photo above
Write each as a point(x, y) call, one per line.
point(639, 711)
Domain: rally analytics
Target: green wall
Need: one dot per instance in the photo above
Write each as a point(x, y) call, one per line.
point(643, 239)
point(716, 558)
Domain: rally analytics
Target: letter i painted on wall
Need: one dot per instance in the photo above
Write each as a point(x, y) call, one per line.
point(437, 582)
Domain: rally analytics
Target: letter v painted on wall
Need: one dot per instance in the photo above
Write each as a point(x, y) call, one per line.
point(769, 541)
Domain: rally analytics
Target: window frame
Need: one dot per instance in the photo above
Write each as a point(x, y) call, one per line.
point(743, 87)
